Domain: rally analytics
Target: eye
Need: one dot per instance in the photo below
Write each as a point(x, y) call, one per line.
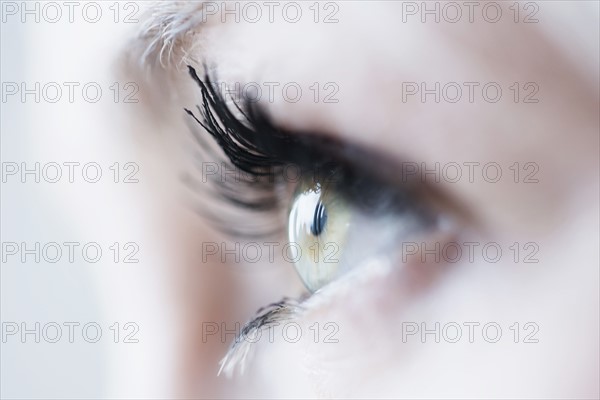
point(318, 225)
point(339, 220)
point(348, 207)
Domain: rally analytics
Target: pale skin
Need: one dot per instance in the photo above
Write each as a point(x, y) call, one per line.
point(368, 54)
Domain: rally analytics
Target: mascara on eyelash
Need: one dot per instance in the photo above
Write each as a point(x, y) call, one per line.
point(257, 147)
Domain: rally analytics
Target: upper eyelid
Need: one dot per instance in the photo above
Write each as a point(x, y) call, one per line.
point(260, 144)
point(261, 148)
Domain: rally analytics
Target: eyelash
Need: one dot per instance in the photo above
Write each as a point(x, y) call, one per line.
point(255, 148)
point(259, 149)
point(263, 151)
point(265, 318)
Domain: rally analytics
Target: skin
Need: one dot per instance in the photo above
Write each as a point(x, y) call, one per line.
point(369, 54)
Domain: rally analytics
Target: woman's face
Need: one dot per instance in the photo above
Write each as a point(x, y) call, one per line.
point(368, 199)
point(463, 225)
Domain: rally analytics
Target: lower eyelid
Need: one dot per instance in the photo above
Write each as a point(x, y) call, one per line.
point(382, 283)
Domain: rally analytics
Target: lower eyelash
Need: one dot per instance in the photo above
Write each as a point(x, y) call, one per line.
point(240, 351)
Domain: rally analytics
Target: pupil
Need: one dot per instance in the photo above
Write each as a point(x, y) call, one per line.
point(319, 220)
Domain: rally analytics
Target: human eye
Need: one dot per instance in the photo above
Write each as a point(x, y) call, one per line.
point(342, 216)
point(337, 204)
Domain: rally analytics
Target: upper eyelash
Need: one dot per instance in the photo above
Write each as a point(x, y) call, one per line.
point(256, 146)
point(242, 145)
point(260, 149)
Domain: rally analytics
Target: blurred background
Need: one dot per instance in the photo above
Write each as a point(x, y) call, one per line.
point(63, 117)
